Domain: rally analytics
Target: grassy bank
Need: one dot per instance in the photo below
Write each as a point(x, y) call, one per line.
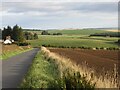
point(50, 70)
point(12, 50)
point(41, 74)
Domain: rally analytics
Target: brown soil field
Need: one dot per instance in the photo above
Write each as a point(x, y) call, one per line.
point(99, 60)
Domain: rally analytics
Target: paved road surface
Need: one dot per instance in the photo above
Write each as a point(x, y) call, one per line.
point(14, 69)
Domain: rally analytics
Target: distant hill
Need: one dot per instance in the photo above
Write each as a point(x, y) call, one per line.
point(112, 28)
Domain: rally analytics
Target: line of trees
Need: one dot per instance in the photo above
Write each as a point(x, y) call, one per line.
point(108, 34)
point(30, 35)
point(47, 33)
point(17, 34)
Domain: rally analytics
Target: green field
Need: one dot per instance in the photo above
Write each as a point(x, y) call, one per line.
point(75, 38)
point(77, 32)
point(72, 32)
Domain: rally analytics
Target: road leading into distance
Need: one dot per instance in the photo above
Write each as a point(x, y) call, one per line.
point(14, 68)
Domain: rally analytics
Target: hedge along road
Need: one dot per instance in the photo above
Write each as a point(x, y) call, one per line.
point(14, 68)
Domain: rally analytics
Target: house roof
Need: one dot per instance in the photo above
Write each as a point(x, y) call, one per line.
point(7, 42)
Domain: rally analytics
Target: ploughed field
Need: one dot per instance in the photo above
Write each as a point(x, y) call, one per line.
point(99, 60)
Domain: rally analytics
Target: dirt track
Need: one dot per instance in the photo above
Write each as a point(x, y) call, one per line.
point(97, 59)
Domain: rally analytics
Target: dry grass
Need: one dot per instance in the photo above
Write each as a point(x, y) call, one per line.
point(64, 64)
point(113, 30)
point(11, 50)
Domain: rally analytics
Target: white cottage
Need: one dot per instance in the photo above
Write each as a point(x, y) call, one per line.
point(8, 40)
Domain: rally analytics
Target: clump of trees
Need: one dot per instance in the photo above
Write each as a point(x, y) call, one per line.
point(17, 34)
point(30, 35)
point(47, 33)
point(57, 33)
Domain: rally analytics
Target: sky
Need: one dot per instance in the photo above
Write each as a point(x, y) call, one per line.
point(60, 14)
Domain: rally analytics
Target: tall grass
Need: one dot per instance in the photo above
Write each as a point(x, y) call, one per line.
point(69, 69)
point(6, 55)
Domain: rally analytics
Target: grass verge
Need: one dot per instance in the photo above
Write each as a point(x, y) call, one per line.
point(41, 74)
point(6, 55)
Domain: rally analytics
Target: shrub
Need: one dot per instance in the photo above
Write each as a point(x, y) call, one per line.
point(23, 44)
point(101, 47)
point(45, 33)
point(57, 33)
point(97, 48)
point(73, 47)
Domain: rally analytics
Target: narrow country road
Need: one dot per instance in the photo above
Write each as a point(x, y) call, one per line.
point(14, 69)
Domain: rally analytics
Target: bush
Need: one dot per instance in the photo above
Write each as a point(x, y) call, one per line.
point(101, 47)
point(45, 33)
point(57, 33)
point(73, 47)
point(97, 48)
point(23, 44)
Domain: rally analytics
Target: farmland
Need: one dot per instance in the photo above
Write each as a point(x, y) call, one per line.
point(50, 70)
point(77, 46)
point(99, 60)
point(71, 32)
point(74, 38)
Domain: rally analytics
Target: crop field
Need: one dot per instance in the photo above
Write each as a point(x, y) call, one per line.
point(74, 38)
point(72, 32)
point(100, 60)
point(74, 41)
point(77, 32)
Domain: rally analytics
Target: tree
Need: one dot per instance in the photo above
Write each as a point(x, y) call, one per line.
point(6, 32)
point(18, 34)
point(119, 41)
point(15, 34)
point(45, 33)
point(35, 36)
point(21, 37)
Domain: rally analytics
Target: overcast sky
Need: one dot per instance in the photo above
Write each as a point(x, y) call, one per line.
point(48, 15)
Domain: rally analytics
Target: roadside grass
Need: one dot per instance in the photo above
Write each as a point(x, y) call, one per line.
point(74, 41)
point(41, 74)
point(9, 54)
point(46, 72)
point(8, 51)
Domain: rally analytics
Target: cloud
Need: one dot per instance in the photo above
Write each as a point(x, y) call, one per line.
point(59, 14)
point(60, 0)
point(54, 8)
